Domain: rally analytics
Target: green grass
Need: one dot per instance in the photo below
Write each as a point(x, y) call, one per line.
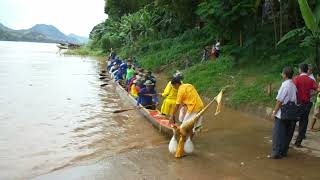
point(247, 74)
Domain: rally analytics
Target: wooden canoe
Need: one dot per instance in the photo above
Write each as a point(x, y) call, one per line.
point(159, 121)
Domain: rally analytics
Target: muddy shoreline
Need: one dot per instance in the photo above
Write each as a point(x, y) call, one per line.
point(233, 145)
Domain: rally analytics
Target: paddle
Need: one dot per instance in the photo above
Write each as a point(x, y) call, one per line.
point(103, 71)
point(105, 84)
point(102, 78)
point(124, 110)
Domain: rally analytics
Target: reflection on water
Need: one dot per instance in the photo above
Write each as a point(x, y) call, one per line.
point(54, 113)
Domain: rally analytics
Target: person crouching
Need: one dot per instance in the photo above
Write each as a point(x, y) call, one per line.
point(189, 98)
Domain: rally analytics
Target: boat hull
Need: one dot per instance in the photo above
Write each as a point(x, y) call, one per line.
point(160, 122)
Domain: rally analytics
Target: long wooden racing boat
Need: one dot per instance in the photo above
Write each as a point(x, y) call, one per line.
point(159, 121)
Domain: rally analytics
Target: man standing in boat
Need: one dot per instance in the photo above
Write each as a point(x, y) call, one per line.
point(188, 98)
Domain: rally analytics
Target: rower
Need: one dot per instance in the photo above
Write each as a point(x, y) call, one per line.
point(148, 96)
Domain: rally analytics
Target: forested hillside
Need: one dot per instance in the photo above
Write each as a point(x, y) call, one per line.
point(258, 38)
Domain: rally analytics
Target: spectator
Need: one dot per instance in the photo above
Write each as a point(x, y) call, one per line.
point(217, 49)
point(205, 54)
point(304, 86)
point(316, 113)
point(283, 129)
point(310, 72)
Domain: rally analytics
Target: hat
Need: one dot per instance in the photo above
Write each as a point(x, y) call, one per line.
point(148, 83)
point(114, 63)
point(178, 74)
point(138, 77)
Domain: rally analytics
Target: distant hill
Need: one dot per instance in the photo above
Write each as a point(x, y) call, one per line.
point(39, 33)
point(81, 39)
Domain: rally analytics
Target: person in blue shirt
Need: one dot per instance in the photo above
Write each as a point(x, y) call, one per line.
point(124, 67)
point(119, 75)
point(147, 96)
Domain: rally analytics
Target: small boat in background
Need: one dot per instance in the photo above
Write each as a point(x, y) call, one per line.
point(67, 46)
point(62, 46)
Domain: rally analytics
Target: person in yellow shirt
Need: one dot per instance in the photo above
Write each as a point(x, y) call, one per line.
point(170, 94)
point(134, 89)
point(187, 97)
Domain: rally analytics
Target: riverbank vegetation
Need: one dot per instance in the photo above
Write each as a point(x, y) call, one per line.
point(258, 38)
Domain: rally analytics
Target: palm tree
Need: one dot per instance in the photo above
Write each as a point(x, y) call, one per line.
point(311, 32)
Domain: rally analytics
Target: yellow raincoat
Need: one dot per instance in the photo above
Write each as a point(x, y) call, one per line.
point(134, 92)
point(169, 103)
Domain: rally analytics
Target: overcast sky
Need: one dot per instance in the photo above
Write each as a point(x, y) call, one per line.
point(69, 16)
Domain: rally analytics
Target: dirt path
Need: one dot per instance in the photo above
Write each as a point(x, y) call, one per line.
point(231, 146)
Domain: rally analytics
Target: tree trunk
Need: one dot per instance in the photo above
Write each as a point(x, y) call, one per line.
point(281, 19)
point(241, 40)
point(274, 24)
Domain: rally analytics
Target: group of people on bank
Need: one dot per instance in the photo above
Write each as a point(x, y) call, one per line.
point(294, 102)
point(141, 84)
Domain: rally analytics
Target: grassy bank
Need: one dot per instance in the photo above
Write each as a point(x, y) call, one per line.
point(252, 74)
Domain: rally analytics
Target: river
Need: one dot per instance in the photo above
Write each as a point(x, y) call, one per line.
point(56, 123)
point(54, 113)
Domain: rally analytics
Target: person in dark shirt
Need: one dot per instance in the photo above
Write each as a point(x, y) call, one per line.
point(304, 85)
point(150, 77)
point(148, 96)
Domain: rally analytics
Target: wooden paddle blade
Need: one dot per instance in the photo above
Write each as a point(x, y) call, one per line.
point(123, 110)
point(101, 74)
point(101, 78)
point(103, 71)
point(105, 84)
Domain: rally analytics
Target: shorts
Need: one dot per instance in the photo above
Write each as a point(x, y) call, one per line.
point(185, 117)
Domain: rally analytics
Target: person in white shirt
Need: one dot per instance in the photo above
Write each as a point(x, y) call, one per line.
point(310, 72)
point(217, 49)
point(283, 129)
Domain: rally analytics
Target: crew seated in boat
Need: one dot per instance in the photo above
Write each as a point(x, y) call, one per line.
point(134, 77)
point(147, 96)
point(129, 74)
point(134, 90)
point(150, 77)
point(119, 75)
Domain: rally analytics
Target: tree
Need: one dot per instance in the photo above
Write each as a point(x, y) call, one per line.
point(311, 32)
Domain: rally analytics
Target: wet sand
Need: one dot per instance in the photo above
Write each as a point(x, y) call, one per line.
point(231, 146)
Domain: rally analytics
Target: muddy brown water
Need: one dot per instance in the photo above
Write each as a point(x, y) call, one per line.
point(56, 123)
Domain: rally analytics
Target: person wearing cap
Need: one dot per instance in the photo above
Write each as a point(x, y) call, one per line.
point(148, 96)
point(170, 94)
point(187, 96)
point(150, 77)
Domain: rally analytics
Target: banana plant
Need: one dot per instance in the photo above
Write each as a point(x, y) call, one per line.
point(311, 31)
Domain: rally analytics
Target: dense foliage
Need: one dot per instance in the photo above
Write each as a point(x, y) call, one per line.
point(258, 37)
